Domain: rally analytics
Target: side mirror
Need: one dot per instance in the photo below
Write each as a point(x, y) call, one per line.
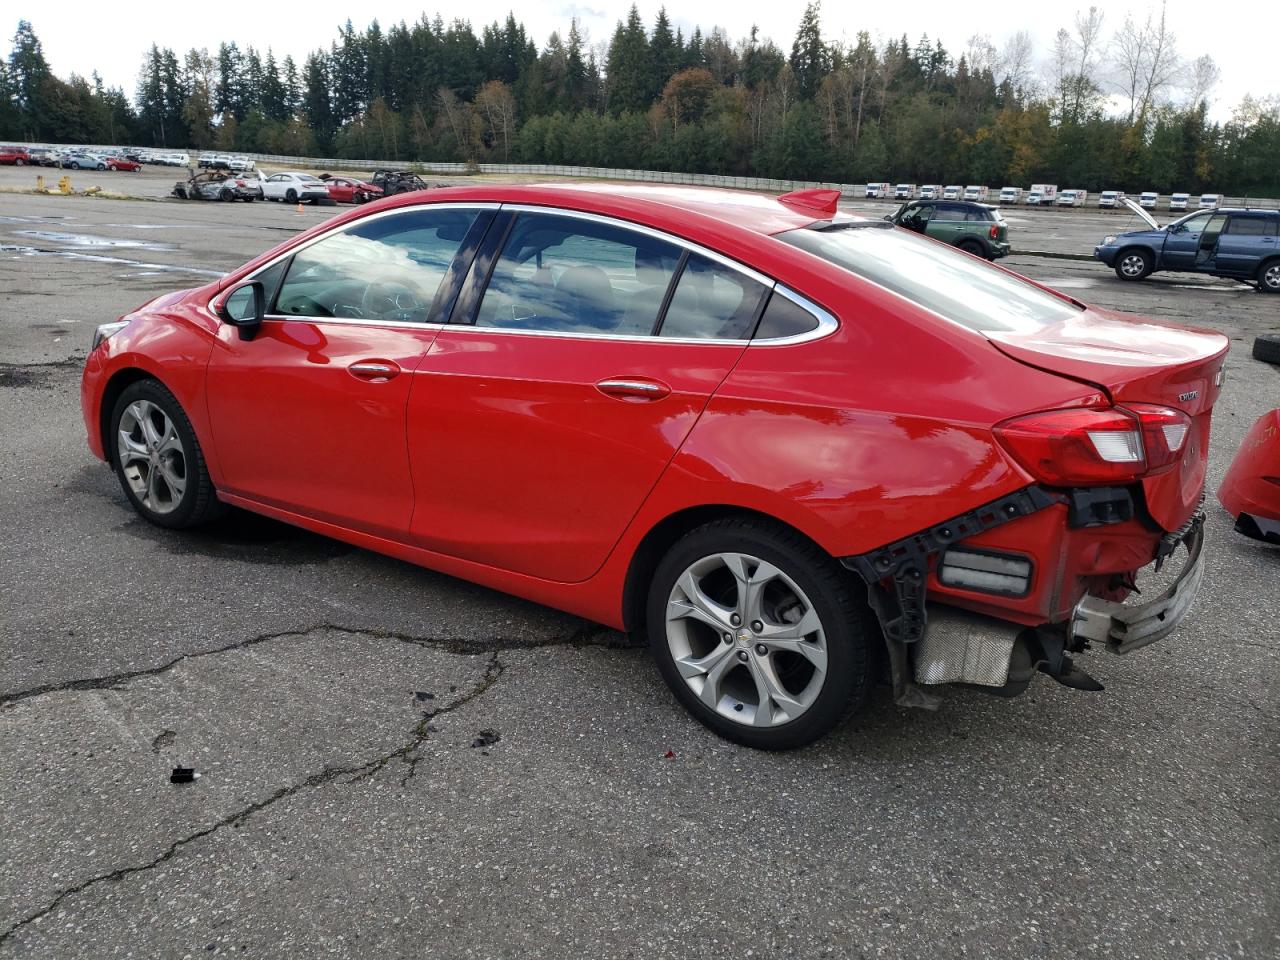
point(245, 309)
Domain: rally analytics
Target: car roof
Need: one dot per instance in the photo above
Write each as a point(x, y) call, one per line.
point(665, 207)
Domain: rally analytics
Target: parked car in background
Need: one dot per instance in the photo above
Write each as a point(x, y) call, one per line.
point(973, 227)
point(904, 191)
point(975, 194)
point(81, 160)
point(1148, 199)
point(349, 189)
point(953, 192)
point(392, 182)
point(123, 163)
point(1250, 490)
point(1241, 244)
point(217, 185)
point(1072, 198)
point(1178, 201)
point(1042, 194)
point(15, 156)
point(242, 164)
point(876, 191)
point(43, 157)
point(785, 444)
point(931, 191)
point(1011, 195)
point(214, 160)
point(294, 188)
point(1210, 201)
point(1110, 199)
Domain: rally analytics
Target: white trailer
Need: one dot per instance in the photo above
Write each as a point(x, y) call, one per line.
point(1110, 198)
point(931, 191)
point(977, 194)
point(878, 191)
point(904, 191)
point(1011, 195)
point(1072, 198)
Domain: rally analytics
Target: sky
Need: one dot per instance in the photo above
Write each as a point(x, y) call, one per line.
point(83, 35)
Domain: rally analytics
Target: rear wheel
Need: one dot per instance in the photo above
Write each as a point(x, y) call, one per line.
point(158, 460)
point(760, 634)
point(972, 247)
point(291, 195)
point(1133, 265)
point(226, 196)
point(1269, 277)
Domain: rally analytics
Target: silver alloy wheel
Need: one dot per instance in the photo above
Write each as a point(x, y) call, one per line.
point(1133, 265)
point(746, 639)
point(1272, 277)
point(151, 456)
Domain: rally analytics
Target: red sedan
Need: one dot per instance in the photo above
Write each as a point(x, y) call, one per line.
point(123, 163)
point(347, 190)
point(791, 446)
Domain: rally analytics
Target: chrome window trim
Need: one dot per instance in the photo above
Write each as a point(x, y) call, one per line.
point(217, 300)
point(827, 323)
point(670, 238)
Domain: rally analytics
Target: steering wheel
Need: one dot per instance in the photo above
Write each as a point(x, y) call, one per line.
point(389, 298)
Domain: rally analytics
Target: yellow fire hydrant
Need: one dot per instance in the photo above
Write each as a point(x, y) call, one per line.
point(40, 184)
point(64, 184)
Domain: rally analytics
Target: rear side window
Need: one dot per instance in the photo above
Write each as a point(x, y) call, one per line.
point(952, 284)
point(783, 317)
point(572, 275)
point(1252, 226)
point(388, 268)
point(712, 302)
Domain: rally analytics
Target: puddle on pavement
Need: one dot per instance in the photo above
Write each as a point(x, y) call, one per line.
point(89, 240)
point(153, 268)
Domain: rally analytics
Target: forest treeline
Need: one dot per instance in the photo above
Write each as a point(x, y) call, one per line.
point(1108, 106)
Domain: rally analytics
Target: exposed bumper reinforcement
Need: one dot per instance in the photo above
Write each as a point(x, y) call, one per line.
point(1128, 626)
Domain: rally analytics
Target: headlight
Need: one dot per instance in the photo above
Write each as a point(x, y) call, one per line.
point(106, 330)
point(1108, 241)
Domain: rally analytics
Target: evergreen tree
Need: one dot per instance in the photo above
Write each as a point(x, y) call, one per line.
point(809, 59)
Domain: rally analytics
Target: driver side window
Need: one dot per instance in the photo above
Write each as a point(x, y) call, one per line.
point(387, 268)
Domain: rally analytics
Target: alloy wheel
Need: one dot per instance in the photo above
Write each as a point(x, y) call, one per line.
point(1271, 277)
point(1133, 265)
point(151, 456)
point(746, 639)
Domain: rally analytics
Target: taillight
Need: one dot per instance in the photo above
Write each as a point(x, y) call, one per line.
point(1088, 447)
point(995, 231)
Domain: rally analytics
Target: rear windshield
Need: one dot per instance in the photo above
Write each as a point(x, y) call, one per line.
point(942, 279)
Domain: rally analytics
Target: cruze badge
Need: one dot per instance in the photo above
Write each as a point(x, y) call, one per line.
point(1189, 395)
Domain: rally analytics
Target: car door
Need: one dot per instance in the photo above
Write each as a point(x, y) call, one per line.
point(1182, 243)
point(309, 415)
point(582, 352)
point(1207, 249)
point(1247, 240)
point(947, 222)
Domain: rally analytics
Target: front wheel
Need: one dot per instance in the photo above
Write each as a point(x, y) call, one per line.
point(1133, 265)
point(1269, 277)
point(761, 635)
point(291, 196)
point(158, 460)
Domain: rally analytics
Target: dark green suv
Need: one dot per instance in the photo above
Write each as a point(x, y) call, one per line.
point(973, 227)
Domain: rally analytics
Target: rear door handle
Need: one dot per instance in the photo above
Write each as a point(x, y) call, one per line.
point(374, 371)
point(628, 388)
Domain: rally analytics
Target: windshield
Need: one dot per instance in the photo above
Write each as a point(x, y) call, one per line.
point(950, 283)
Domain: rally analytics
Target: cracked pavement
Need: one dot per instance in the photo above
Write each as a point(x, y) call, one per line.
point(330, 699)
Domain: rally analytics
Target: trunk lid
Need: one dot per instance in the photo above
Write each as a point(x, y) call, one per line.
point(1137, 360)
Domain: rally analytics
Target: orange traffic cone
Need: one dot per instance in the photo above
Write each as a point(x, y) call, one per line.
point(299, 206)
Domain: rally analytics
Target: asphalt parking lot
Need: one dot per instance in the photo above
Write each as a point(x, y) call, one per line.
point(397, 763)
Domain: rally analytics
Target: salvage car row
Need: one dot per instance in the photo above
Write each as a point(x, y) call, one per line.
point(1038, 195)
point(220, 182)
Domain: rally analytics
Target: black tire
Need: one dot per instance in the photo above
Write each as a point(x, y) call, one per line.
point(75, 166)
point(226, 196)
point(837, 597)
point(1269, 277)
point(291, 195)
point(1133, 264)
point(19, 162)
point(198, 503)
point(972, 247)
point(1266, 347)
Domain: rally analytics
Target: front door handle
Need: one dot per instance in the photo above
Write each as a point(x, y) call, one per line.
point(374, 371)
point(633, 389)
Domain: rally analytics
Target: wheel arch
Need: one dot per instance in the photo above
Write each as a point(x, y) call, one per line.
point(663, 535)
point(119, 381)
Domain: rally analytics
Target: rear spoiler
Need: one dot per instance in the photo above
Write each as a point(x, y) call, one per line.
point(819, 201)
